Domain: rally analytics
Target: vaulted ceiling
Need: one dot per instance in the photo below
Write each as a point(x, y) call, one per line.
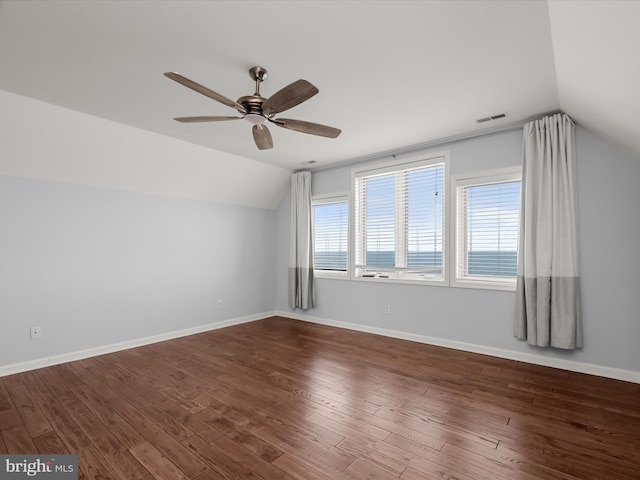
point(391, 74)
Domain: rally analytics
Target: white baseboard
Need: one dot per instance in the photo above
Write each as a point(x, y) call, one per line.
point(591, 369)
point(116, 347)
point(599, 370)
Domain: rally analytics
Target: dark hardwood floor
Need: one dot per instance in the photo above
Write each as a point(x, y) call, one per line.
point(281, 399)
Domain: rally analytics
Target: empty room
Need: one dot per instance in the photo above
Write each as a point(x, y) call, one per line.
point(319, 240)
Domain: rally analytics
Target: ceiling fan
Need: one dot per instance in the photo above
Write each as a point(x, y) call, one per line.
point(258, 110)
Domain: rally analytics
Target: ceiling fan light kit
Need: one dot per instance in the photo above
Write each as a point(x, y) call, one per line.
point(258, 111)
point(255, 119)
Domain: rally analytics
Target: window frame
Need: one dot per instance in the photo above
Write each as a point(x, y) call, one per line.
point(458, 220)
point(328, 199)
point(406, 162)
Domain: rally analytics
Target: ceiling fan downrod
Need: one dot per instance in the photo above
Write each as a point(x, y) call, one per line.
point(258, 74)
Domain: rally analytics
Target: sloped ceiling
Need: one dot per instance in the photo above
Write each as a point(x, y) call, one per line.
point(391, 74)
point(597, 55)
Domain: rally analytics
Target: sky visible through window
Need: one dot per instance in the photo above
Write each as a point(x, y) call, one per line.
point(491, 231)
point(492, 217)
point(403, 219)
point(492, 213)
point(424, 217)
point(331, 236)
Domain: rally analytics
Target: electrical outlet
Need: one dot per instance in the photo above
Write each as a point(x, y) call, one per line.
point(219, 304)
point(36, 333)
point(387, 309)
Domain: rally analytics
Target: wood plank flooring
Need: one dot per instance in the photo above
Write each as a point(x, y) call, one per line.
point(280, 399)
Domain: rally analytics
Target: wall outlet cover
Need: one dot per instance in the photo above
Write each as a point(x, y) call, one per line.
point(36, 333)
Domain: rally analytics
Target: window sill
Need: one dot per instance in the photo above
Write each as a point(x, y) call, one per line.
point(328, 274)
point(401, 281)
point(486, 285)
point(381, 278)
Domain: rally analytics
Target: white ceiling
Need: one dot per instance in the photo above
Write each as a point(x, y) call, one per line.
point(391, 74)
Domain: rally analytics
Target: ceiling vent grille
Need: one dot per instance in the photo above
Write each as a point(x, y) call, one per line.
point(492, 117)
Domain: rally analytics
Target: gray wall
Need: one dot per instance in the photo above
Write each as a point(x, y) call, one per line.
point(96, 267)
point(609, 228)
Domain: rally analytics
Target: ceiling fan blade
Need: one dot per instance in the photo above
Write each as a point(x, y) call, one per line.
point(262, 137)
point(307, 127)
point(205, 119)
point(289, 97)
point(204, 90)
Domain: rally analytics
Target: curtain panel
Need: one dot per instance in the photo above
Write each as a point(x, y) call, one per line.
point(302, 291)
point(548, 311)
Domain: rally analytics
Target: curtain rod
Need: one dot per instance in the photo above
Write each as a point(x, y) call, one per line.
point(434, 143)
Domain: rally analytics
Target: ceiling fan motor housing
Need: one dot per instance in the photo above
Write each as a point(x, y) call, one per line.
point(253, 107)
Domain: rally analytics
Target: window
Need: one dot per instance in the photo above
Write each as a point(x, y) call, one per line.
point(487, 215)
point(400, 222)
point(330, 241)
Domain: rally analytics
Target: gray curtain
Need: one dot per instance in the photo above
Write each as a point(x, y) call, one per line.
point(548, 287)
point(302, 291)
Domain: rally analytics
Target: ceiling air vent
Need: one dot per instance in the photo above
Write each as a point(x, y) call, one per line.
point(492, 117)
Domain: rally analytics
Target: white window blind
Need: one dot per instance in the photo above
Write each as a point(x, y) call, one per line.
point(331, 228)
point(399, 221)
point(487, 229)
